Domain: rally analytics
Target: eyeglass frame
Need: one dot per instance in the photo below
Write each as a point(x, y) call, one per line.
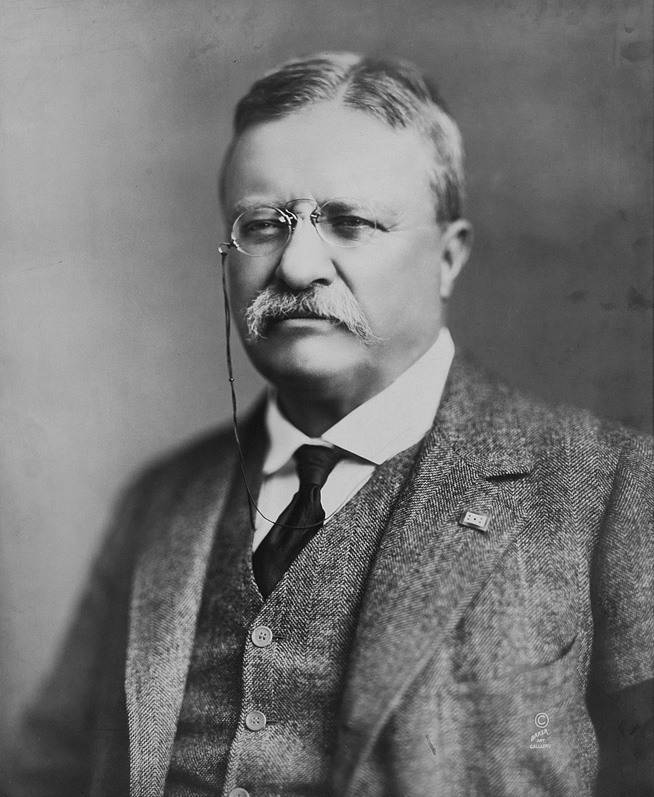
point(291, 220)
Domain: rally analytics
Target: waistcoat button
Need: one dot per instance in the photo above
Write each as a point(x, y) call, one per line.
point(255, 720)
point(262, 636)
point(238, 792)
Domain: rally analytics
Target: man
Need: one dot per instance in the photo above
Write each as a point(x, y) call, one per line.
point(402, 578)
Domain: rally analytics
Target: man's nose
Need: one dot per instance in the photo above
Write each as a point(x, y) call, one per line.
point(305, 259)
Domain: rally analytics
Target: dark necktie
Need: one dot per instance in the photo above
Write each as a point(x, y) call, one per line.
point(304, 515)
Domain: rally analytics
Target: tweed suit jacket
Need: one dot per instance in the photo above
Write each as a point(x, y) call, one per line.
point(478, 656)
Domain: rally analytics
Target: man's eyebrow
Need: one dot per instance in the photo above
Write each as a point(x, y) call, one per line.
point(255, 202)
point(251, 202)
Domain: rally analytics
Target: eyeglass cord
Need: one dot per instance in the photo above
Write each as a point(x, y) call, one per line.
point(230, 373)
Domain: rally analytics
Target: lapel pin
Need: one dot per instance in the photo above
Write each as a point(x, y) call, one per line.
point(475, 520)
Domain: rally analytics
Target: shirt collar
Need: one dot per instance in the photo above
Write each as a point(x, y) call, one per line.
point(394, 419)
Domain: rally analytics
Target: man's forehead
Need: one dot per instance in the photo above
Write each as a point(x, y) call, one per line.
point(328, 152)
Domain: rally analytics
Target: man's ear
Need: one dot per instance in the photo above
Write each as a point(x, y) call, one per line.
point(456, 243)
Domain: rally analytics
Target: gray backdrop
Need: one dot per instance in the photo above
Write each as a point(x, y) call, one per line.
point(114, 117)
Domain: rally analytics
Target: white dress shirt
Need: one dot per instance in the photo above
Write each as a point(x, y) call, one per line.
point(376, 430)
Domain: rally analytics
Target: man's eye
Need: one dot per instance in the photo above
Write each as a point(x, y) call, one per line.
point(262, 227)
point(351, 222)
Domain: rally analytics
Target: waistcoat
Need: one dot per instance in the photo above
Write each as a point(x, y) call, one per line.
point(262, 698)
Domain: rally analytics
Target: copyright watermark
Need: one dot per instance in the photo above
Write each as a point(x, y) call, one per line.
point(540, 739)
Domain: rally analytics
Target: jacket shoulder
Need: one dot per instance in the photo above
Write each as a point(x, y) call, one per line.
point(484, 414)
point(212, 452)
point(194, 456)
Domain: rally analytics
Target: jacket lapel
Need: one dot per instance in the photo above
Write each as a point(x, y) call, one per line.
point(429, 567)
point(166, 597)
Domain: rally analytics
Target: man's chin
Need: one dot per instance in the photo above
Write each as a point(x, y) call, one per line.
point(309, 350)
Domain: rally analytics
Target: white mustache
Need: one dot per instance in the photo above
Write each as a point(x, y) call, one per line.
point(333, 302)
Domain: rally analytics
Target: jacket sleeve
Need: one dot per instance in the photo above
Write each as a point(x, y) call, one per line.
point(621, 697)
point(55, 747)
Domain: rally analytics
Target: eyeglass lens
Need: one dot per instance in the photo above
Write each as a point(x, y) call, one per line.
point(343, 222)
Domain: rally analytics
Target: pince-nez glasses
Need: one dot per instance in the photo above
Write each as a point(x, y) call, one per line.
point(345, 222)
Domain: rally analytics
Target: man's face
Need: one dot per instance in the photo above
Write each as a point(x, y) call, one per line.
point(398, 278)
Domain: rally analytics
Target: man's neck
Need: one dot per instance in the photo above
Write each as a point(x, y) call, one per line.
point(315, 411)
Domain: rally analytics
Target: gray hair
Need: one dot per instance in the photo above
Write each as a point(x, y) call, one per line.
point(393, 91)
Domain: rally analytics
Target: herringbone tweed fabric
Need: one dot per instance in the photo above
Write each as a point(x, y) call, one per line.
point(297, 681)
point(468, 643)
